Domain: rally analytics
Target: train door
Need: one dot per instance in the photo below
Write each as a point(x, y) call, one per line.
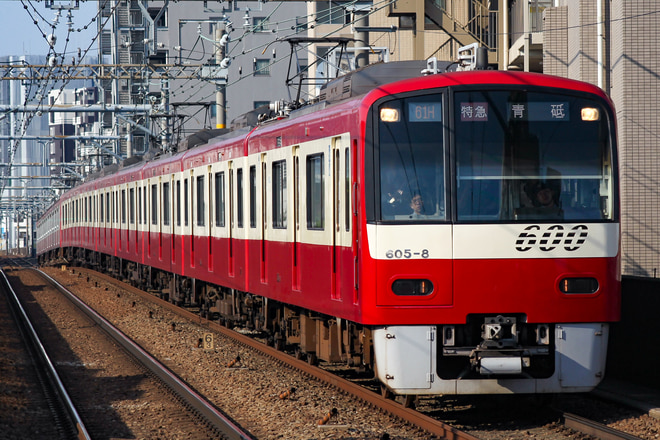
point(144, 229)
point(208, 216)
point(152, 218)
point(132, 218)
point(263, 217)
point(241, 222)
point(123, 236)
point(95, 223)
point(166, 221)
point(176, 219)
point(138, 222)
point(193, 229)
point(230, 230)
point(115, 217)
point(219, 230)
point(342, 257)
point(295, 282)
point(255, 245)
point(107, 240)
point(200, 222)
point(317, 235)
point(187, 227)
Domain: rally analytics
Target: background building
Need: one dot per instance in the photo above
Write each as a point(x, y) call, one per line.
point(189, 33)
point(17, 147)
point(629, 69)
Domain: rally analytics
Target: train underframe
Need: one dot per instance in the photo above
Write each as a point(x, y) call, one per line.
point(495, 354)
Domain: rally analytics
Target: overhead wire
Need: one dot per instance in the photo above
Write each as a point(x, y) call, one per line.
point(42, 91)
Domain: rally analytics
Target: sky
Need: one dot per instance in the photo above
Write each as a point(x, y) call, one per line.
point(19, 35)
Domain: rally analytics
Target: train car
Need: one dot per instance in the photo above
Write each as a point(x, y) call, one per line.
point(456, 233)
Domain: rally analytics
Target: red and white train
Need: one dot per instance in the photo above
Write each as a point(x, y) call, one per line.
point(457, 233)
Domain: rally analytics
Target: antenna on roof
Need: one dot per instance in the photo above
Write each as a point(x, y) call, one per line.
point(472, 57)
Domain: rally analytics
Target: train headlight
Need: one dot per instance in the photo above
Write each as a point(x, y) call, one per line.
point(389, 115)
point(412, 287)
point(578, 285)
point(590, 114)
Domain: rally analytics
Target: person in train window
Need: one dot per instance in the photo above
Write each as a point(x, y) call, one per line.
point(545, 202)
point(544, 195)
point(419, 210)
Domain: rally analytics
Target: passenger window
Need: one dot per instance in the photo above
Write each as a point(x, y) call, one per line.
point(239, 197)
point(253, 196)
point(315, 199)
point(154, 204)
point(185, 202)
point(166, 203)
point(279, 194)
point(200, 200)
point(220, 199)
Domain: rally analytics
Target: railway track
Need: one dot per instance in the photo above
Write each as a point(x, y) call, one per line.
point(198, 417)
point(594, 429)
point(64, 415)
point(200, 406)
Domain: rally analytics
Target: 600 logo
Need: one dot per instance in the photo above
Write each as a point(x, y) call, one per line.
point(552, 237)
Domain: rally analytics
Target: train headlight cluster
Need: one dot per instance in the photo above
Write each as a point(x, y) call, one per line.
point(412, 287)
point(389, 115)
point(578, 285)
point(590, 114)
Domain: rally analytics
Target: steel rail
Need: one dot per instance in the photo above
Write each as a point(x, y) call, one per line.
point(428, 424)
point(593, 428)
point(53, 380)
point(222, 422)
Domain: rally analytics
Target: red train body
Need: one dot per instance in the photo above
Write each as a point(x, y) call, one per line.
point(298, 227)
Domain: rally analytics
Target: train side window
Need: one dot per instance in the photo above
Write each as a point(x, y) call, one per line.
point(102, 216)
point(239, 197)
point(185, 202)
point(220, 199)
point(144, 206)
point(200, 200)
point(314, 196)
point(347, 189)
point(166, 203)
point(154, 204)
point(131, 205)
point(108, 211)
point(279, 194)
point(139, 204)
point(123, 206)
point(253, 196)
point(178, 203)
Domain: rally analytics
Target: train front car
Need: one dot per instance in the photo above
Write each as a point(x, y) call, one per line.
point(492, 224)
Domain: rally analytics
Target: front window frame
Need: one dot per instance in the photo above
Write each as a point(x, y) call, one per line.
point(374, 207)
point(561, 94)
point(372, 161)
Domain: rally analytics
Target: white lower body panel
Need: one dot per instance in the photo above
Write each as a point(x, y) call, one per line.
point(406, 362)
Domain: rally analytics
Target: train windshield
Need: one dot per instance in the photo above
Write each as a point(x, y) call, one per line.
point(411, 156)
point(528, 156)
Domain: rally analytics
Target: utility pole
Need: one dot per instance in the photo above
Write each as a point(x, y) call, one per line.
point(221, 39)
